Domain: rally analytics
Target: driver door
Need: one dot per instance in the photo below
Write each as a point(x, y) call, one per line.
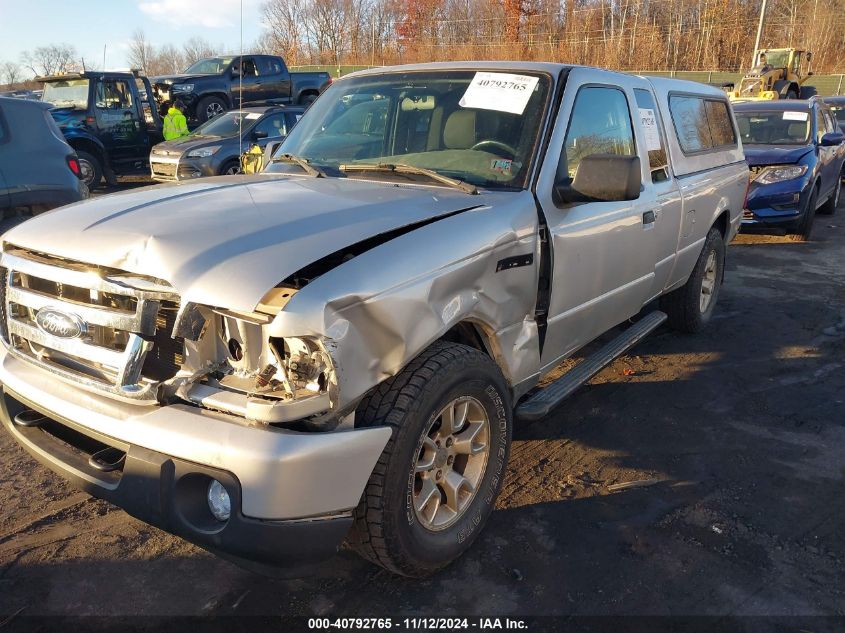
point(119, 121)
point(603, 252)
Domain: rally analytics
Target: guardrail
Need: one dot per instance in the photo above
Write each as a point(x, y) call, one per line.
point(826, 85)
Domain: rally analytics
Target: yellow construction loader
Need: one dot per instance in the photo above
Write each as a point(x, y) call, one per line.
point(777, 75)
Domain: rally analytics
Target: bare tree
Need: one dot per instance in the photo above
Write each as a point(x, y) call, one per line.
point(52, 59)
point(167, 61)
point(286, 28)
point(197, 48)
point(10, 74)
point(141, 52)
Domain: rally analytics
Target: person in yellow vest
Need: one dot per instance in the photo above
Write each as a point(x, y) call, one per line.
point(175, 123)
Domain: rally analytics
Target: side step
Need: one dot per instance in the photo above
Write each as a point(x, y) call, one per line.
point(549, 397)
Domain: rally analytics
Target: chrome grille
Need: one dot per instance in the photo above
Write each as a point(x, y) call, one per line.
point(123, 317)
point(164, 170)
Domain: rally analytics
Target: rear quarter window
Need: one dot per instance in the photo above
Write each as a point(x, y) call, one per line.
point(701, 124)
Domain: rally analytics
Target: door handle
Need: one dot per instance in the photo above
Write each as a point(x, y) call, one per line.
point(649, 217)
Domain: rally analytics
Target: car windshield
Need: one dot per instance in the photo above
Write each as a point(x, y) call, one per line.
point(71, 93)
point(481, 128)
point(227, 124)
point(773, 127)
point(777, 59)
point(210, 66)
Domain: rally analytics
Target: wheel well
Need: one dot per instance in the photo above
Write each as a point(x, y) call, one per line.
point(84, 145)
point(307, 93)
point(722, 223)
point(468, 333)
point(218, 95)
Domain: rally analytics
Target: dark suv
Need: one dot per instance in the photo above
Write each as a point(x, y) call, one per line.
point(795, 152)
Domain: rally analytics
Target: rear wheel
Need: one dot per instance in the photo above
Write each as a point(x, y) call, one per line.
point(791, 94)
point(804, 228)
point(91, 169)
point(437, 480)
point(308, 98)
point(691, 306)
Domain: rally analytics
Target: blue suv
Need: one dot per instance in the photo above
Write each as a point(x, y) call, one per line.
point(795, 153)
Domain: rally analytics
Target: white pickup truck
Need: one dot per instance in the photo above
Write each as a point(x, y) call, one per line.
point(337, 348)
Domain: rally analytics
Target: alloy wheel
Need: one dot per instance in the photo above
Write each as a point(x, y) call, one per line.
point(708, 283)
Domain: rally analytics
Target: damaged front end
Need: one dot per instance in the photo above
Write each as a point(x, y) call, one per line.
point(129, 337)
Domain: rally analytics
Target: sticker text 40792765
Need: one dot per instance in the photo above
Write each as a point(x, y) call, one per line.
point(505, 92)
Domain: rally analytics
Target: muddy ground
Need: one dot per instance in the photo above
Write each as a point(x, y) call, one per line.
point(743, 426)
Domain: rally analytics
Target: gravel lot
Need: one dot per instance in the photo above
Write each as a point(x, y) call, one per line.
point(740, 431)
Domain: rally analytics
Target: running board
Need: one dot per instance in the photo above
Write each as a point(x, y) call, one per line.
point(549, 397)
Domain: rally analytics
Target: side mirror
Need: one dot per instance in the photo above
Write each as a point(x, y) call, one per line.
point(602, 178)
point(257, 135)
point(832, 138)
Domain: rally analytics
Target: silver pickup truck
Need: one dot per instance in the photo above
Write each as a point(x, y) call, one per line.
point(336, 349)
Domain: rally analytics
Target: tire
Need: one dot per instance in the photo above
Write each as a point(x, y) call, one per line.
point(307, 99)
point(686, 307)
point(804, 227)
point(807, 92)
point(791, 94)
point(830, 205)
point(210, 107)
point(229, 166)
point(389, 530)
point(92, 169)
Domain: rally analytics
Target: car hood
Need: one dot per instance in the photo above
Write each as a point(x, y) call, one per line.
point(774, 154)
point(226, 241)
point(179, 146)
point(175, 79)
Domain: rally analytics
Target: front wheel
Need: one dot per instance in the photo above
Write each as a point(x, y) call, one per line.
point(210, 107)
point(231, 167)
point(691, 306)
point(804, 228)
point(437, 480)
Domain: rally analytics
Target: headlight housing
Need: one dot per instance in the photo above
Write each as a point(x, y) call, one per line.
point(780, 173)
point(203, 152)
point(182, 88)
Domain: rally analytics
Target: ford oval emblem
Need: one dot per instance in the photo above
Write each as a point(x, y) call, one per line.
point(58, 323)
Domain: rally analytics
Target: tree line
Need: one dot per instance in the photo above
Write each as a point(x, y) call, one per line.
point(618, 34)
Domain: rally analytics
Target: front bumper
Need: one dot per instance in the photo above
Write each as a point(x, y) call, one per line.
point(171, 169)
point(775, 205)
point(292, 493)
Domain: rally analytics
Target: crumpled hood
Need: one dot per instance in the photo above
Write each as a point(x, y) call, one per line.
point(775, 155)
point(226, 241)
point(176, 79)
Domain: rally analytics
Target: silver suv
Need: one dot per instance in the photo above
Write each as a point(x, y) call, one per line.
point(337, 348)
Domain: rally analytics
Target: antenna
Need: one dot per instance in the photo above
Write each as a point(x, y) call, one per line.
point(241, 90)
point(104, 56)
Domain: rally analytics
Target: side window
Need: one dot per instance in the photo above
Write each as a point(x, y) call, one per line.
point(600, 124)
point(721, 129)
point(274, 125)
point(268, 66)
point(113, 95)
point(250, 70)
point(820, 131)
point(655, 143)
point(832, 126)
point(690, 120)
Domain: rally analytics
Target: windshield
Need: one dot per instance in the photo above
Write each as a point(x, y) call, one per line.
point(481, 128)
point(63, 94)
point(773, 127)
point(227, 124)
point(777, 59)
point(210, 66)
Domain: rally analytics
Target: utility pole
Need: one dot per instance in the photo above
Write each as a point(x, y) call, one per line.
point(759, 32)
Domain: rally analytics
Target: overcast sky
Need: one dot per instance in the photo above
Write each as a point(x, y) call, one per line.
point(91, 24)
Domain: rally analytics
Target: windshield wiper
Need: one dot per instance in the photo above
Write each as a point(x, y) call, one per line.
point(402, 168)
point(307, 167)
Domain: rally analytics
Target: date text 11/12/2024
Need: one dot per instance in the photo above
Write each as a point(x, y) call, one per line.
point(417, 624)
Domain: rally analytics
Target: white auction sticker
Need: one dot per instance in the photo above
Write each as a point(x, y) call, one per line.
point(504, 92)
point(253, 115)
point(790, 115)
point(652, 134)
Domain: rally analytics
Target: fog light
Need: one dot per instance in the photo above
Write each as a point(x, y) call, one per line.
point(218, 501)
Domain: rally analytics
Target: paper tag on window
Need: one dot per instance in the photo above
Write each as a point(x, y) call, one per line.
point(253, 115)
point(504, 92)
point(652, 134)
point(795, 116)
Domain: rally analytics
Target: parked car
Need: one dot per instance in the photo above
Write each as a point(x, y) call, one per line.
point(211, 86)
point(106, 119)
point(837, 106)
point(336, 348)
point(795, 152)
point(215, 147)
point(38, 169)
